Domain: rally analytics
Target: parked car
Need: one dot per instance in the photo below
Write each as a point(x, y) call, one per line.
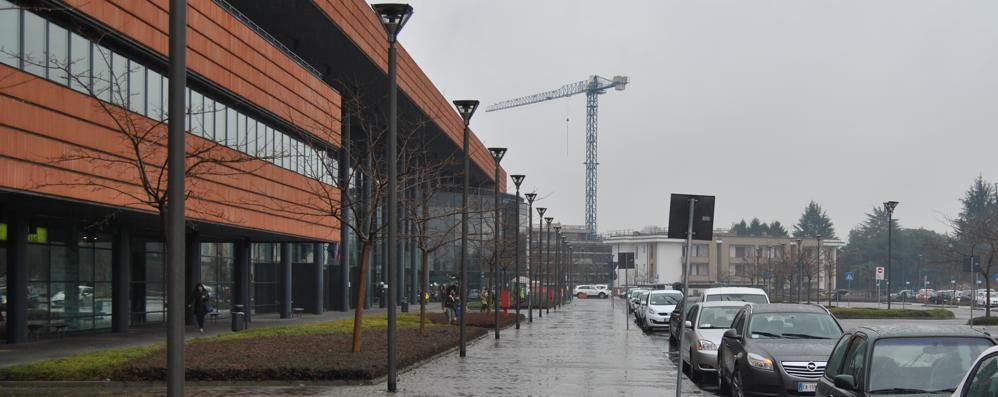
point(639, 308)
point(943, 298)
point(658, 307)
point(702, 334)
point(597, 290)
point(632, 300)
point(776, 349)
point(474, 294)
point(674, 328)
point(909, 359)
point(741, 294)
point(925, 295)
point(982, 297)
point(905, 294)
point(982, 379)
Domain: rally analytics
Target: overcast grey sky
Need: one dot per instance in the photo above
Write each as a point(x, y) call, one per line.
point(765, 104)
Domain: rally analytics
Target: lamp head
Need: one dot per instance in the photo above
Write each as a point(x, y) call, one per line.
point(517, 180)
point(466, 108)
point(497, 153)
point(393, 17)
point(889, 205)
point(541, 211)
point(530, 197)
point(548, 220)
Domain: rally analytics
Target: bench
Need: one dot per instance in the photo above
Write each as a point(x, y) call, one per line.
point(297, 312)
point(214, 316)
point(58, 329)
point(33, 330)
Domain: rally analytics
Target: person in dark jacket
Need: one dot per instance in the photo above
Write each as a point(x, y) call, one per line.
point(199, 304)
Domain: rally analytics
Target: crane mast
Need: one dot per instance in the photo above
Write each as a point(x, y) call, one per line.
point(593, 87)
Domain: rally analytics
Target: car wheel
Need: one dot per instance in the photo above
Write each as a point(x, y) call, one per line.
point(578, 295)
point(736, 385)
point(602, 295)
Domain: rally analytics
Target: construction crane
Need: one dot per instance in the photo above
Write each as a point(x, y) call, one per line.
point(593, 87)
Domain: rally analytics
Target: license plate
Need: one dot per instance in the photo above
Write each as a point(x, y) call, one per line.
point(804, 387)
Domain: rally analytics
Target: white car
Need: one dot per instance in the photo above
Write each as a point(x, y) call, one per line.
point(982, 297)
point(658, 306)
point(593, 290)
point(982, 379)
point(736, 294)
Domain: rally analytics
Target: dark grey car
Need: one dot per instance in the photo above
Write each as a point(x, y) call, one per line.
point(902, 360)
point(776, 350)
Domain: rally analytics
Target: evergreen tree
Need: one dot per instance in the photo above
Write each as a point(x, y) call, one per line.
point(776, 229)
point(740, 228)
point(814, 222)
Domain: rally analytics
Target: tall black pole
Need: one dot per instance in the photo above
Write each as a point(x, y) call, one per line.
point(530, 258)
point(344, 246)
point(176, 149)
point(547, 267)
point(393, 18)
point(540, 258)
point(517, 180)
point(686, 290)
point(497, 153)
point(467, 109)
point(557, 260)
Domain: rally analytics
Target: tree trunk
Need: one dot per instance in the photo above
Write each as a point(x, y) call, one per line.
point(422, 298)
point(358, 313)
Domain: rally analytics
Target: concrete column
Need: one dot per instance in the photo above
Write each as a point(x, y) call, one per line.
point(241, 282)
point(193, 265)
point(285, 280)
point(121, 278)
point(17, 279)
point(318, 260)
point(344, 285)
point(343, 295)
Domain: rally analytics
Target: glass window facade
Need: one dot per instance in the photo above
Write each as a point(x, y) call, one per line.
point(44, 48)
point(266, 278)
point(217, 265)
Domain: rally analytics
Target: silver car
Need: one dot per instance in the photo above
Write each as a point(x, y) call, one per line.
point(702, 334)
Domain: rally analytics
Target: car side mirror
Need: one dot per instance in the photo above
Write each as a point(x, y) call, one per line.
point(844, 381)
point(731, 334)
point(688, 324)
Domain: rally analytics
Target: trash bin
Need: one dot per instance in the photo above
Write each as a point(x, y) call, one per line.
point(238, 318)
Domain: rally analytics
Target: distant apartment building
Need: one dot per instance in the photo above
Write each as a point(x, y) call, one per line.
point(774, 263)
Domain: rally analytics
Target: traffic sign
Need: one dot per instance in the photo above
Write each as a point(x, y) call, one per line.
point(849, 276)
point(880, 273)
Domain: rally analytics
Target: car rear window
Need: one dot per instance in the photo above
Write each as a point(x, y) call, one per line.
point(925, 363)
point(750, 298)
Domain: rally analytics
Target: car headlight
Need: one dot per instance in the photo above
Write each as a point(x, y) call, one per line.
point(758, 361)
point(704, 344)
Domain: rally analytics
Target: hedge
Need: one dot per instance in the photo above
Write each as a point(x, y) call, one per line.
point(869, 312)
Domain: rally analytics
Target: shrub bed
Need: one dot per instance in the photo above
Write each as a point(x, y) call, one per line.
point(310, 351)
point(303, 357)
point(985, 320)
point(870, 312)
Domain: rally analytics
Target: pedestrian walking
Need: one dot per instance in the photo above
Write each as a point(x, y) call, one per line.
point(200, 304)
point(483, 299)
point(451, 304)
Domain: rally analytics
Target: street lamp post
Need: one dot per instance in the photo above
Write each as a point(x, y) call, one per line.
point(800, 269)
point(175, 210)
point(557, 262)
point(540, 254)
point(517, 180)
point(530, 260)
point(467, 109)
point(889, 206)
point(393, 18)
point(820, 268)
point(497, 154)
point(547, 266)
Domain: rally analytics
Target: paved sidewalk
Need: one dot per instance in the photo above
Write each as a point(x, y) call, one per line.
point(146, 335)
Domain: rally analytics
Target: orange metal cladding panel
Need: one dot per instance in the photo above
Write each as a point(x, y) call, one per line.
point(227, 52)
point(360, 23)
point(41, 123)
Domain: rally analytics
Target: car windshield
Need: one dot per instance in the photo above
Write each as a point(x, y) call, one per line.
point(750, 298)
point(794, 326)
point(664, 299)
point(932, 364)
point(717, 317)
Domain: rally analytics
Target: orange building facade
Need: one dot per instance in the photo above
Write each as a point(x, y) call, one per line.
point(83, 149)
